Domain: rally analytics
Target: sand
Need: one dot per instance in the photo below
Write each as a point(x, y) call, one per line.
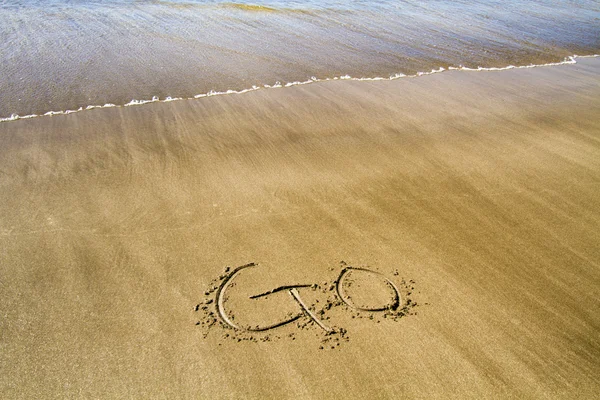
point(475, 194)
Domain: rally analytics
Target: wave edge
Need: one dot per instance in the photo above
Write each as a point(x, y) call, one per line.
point(155, 99)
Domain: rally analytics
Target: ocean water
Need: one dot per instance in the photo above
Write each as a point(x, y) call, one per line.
point(58, 55)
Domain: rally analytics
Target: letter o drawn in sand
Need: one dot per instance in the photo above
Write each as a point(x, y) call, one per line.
point(341, 290)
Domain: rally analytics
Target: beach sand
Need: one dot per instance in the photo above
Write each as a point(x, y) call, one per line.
point(482, 188)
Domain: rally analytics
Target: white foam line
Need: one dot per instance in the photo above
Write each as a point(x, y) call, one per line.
point(156, 99)
point(568, 60)
point(135, 102)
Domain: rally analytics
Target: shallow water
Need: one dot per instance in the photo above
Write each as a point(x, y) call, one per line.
point(60, 54)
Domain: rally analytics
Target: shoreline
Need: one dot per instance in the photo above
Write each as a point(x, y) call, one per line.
point(570, 60)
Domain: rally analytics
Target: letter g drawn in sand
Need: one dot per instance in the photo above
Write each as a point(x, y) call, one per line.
point(292, 290)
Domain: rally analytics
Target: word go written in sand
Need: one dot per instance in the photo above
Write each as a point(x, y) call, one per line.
point(356, 292)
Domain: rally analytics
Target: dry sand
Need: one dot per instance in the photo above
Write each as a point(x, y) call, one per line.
point(482, 187)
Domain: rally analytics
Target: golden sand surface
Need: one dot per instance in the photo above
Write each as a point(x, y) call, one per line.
point(476, 195)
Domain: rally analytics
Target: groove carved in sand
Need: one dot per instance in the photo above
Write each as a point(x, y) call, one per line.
point(292, 290)
point(339, 287)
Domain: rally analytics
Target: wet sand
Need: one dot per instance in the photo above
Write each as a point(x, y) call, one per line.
point(481, 187)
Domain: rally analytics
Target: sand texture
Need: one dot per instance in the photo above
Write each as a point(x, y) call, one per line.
point(465, 207)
